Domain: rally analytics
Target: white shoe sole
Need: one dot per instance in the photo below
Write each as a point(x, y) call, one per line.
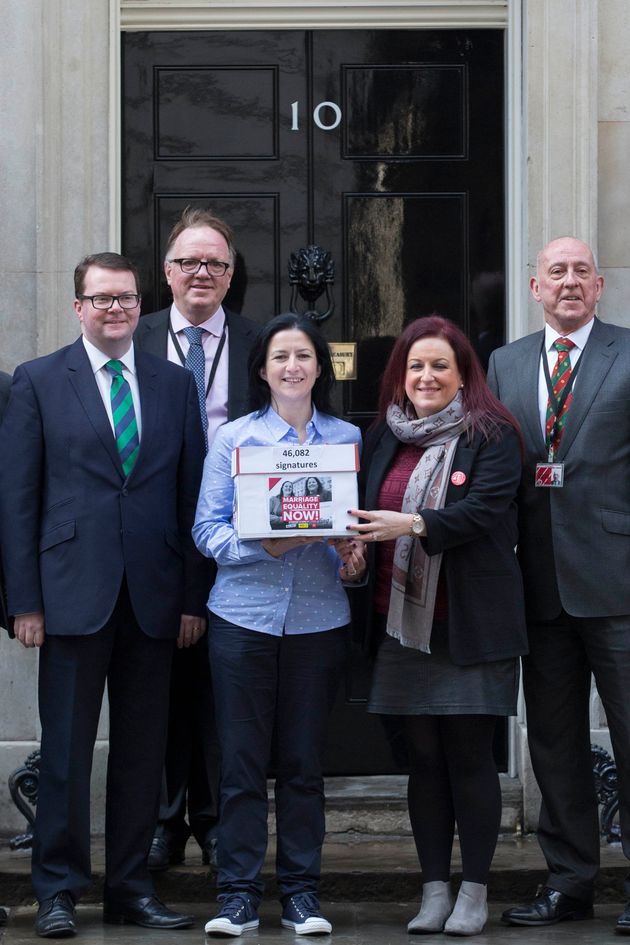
point(312, 926)
point(225, 927)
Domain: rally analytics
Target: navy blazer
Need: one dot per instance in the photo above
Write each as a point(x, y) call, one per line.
point(152, 335)
point(72, 524)
point(476, 532)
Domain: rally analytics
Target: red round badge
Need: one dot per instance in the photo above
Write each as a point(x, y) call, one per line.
point(458, 478)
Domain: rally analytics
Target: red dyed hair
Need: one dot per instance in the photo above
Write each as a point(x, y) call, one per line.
point(486, 414)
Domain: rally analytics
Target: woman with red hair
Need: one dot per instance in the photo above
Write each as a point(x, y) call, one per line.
point(446, 615)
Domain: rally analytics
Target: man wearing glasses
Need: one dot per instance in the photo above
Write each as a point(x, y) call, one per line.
point(101, 452)
point(212, 342)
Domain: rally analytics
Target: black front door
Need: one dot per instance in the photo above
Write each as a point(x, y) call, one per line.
point(385, 148)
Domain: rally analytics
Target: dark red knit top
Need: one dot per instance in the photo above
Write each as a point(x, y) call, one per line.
point(390, 497)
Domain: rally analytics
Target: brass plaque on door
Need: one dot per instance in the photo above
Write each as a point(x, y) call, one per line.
point(344, 359)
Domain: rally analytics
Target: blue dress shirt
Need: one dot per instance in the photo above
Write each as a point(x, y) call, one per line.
point(299, 592)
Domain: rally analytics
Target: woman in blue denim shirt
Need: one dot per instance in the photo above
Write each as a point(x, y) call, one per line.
point(278, 619)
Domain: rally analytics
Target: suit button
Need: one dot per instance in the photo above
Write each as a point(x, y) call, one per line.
point(125, 492)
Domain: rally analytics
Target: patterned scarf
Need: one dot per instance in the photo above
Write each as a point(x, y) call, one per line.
point(415, 574)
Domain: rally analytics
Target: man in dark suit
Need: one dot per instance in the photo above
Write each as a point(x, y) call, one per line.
point(199, 263)
point(569, 386)
point(101, 453)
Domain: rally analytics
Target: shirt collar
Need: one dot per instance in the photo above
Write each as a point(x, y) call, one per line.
point(213, 325)
point(98, 358)
point(280, 428)
point(579, 337)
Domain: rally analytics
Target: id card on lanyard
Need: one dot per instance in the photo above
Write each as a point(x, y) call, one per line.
point(550, 475)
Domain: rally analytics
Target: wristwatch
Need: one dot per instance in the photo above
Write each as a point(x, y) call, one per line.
point(417, 526)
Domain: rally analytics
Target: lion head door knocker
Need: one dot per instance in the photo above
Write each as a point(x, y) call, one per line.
point(311, 275)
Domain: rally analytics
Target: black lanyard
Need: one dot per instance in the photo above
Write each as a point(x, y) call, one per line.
point(217, 355)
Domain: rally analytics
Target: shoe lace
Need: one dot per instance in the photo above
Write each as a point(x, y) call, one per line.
point(305, 904)
point(234, 905)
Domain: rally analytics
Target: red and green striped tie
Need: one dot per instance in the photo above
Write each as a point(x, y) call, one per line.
point(125, 424)
point(559, 379)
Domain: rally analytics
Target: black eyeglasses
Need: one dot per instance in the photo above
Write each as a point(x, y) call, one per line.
point(214, 267)
point(128, 300)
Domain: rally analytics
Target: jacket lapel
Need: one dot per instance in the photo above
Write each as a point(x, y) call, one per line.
point(381, 459)
point(155, 334)
point(149, 396)
point(597, 359)
point(528, 369)
point(85, 387)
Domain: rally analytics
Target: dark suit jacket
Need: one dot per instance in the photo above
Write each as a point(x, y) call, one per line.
point(574, 542)
point(476, 531)
point(152, 336)
point(75, 523)
point(5, 384)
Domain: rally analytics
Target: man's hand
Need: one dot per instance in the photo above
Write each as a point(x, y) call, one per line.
point(191, 629)
point(29, 629)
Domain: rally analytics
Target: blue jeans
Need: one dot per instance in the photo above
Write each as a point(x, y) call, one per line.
point(270, 688)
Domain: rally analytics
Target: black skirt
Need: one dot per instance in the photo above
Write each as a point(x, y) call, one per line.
point(408, 682)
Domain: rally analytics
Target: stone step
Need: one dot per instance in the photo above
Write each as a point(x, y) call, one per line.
point(368, 854)
point(354, 868)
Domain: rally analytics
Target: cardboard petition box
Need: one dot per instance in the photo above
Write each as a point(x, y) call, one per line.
point(281, 491)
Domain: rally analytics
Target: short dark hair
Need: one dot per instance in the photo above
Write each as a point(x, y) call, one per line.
point(485, 413)
point(103, 261)
point(259, 392)
point(200, 216)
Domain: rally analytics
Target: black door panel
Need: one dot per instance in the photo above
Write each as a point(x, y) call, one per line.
point(384, 147)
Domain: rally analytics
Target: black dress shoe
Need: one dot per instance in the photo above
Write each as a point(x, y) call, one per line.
point(55, 917)
point(147, 911)
point(623, 922)
point(548, 908)
point(164, 853)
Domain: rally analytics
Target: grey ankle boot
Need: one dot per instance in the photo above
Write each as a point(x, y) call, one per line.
point(471, 910)
point(435, 908)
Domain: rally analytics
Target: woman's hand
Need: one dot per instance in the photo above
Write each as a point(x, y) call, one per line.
point(276, 547)
point(381, 525)
point(352, 554)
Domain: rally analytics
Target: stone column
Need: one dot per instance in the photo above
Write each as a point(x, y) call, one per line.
point(55, 157)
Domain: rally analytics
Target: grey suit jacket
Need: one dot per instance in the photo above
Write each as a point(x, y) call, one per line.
point(574, 542)
point(152, 335)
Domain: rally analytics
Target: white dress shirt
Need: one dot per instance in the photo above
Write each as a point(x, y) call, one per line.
point(217, 397)
point(98, 360)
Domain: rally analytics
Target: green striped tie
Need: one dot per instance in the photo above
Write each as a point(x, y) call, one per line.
point(125, 425)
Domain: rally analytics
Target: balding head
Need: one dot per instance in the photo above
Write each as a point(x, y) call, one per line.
point(567, 283)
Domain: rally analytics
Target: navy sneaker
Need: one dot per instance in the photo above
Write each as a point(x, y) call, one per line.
point(301, 913)
point(237, 914)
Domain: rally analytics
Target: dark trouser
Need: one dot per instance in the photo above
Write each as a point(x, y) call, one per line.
point(281, 688)
point(557, 681)
point(72, 675)
point(191, 766)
